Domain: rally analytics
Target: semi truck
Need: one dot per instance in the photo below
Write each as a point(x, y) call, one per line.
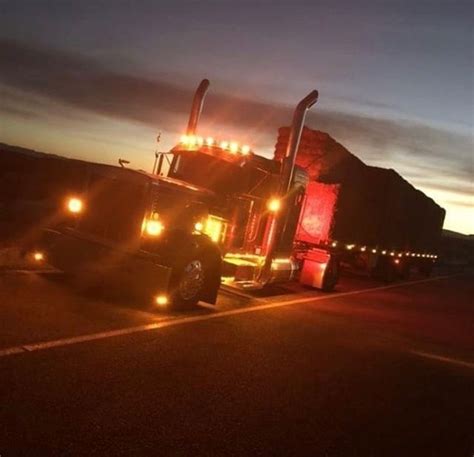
point(214, 212)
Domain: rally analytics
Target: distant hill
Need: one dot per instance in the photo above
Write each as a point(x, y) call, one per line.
point(28, 152)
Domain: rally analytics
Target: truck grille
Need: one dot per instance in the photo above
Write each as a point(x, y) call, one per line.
point(114, 208)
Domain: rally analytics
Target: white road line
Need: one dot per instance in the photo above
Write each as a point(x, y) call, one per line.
point(33, 347)
point(440, 358)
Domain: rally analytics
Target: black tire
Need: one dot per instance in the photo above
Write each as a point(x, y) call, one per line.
point(189, 280)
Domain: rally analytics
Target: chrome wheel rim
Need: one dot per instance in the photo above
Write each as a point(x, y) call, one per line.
point(192, 280)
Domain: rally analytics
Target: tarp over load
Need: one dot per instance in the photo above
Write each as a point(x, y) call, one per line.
point(358, 203)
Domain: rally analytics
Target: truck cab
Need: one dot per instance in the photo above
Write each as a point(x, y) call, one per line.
point(218, 213)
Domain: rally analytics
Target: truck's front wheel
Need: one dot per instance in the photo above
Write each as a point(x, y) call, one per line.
point(189, 284)
point(190, 281)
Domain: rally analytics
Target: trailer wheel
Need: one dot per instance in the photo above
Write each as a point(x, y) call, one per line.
point(331, 276)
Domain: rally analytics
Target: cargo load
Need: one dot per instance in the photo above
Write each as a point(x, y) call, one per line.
point(352, 203)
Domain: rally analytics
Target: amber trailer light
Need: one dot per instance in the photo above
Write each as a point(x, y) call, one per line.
point(75, 205)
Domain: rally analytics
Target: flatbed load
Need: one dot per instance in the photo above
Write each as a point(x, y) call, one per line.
point(351, 203)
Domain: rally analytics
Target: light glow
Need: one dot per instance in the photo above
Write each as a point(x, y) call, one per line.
point(274, 205)
point(199, 226)
point(224, 144)
point(74, 205)
point(161, 300)
point(209, 141)
point(245, 149)
point(234, 147)
point(215, 228)
point(38, 256)
point(154, 227)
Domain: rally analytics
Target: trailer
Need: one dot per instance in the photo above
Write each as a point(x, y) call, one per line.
point(371, 217)
point(214, 212)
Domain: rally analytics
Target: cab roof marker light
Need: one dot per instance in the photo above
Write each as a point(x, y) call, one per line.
point(224, 144)
point(245, 149)
point(234, 147)
point(209, 141)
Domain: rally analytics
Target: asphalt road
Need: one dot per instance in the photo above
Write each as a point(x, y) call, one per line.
point(366, 371)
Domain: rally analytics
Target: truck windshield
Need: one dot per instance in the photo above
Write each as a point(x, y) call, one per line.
point(207, 171)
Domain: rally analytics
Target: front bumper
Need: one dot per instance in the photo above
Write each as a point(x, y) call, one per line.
point(135, 272)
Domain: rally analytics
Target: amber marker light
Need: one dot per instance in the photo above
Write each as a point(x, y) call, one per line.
point(38, 256)
point(210, 141)
point(161, 300)
point(245, 149)
point(224, 144)
point(199, 226)
point(234, 147)
point(75, 205)
point(274, 205)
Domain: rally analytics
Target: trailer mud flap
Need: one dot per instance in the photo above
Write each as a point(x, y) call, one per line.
point(314, 268)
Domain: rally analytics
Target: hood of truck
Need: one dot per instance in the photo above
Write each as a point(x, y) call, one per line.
point(177, 184)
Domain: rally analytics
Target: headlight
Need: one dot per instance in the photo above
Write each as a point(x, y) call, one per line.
point(153, 226)
point(75, 205)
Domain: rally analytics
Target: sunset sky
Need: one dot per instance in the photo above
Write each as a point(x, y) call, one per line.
point(99, 79)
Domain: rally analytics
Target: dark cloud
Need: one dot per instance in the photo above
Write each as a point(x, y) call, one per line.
point(83, 83)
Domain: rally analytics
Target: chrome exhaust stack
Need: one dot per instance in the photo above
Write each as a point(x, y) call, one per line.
point(286, 173)
point(288, 163)
point(196, 107)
